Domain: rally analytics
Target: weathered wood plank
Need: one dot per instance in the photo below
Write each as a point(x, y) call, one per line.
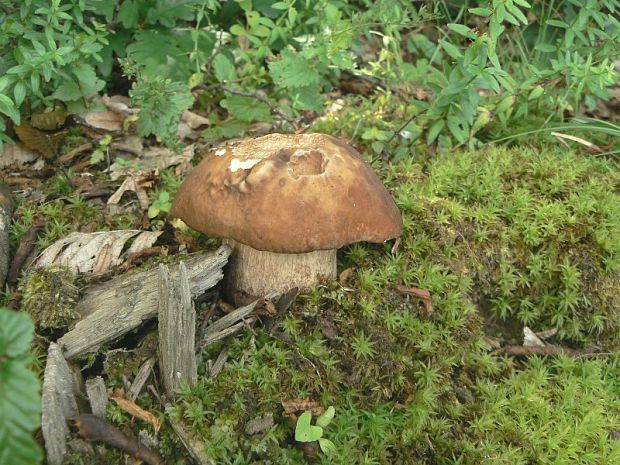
point(114, 308)
point(97, 396)
point(177, 330)
point(59, 404)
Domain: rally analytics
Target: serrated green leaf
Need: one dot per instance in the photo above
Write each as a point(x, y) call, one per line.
point(326, 417)
point(128, 14)
point(304, 431)
point(294, 70)
point(16, 329)
point(247, 108)
point(67, 91)
point(461, 29)
point(87, 77)
point(307, 98)
point(223, 68)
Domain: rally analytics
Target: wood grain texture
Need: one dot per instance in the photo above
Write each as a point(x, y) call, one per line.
point(114, 308)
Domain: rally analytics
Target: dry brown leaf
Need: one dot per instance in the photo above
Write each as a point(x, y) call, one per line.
point(422, 294)
point(134, 409)
point(49, 120)
point(301, 405)
point(95, 252)
point(17, 154)
point(119, 104)
point(153, 159)
point(106, 120)
point(45, 143)
point(132, 184)
point(194, 120)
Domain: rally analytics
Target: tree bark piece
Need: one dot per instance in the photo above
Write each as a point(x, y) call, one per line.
point(6, 212)
point(114, 308)
point(233, 322)
point(59, 404)
point(177, 330)
point(253, 273)
point(140, 380)
point(97, 396)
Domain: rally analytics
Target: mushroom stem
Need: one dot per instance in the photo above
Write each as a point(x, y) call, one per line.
point(253, 273)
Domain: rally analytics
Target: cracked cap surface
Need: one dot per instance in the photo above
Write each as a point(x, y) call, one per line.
point(289, 194)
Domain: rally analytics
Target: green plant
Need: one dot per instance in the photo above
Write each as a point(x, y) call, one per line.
point(20, 405)
point(100, 152)
point(306, 432)
point(162, 204)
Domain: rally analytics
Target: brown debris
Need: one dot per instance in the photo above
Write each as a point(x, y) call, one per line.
point(291, 407)
point(135, 410)
point(45, 143)
point(422, 294)
point(25, 248)
point(525, 351)
point(92, 428)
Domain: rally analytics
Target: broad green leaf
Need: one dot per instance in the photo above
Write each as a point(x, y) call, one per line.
point(87, 77)
point(19, 92)
point(435, 130)
point(128, 14)
point(462, 30)
point(536, 92)
point(328, 447)
point(8, 108)
point(294, 70)
point(450, 49)
point(304, 431)
point(326, 417)
point(484, 12)
point(223, 68)
point(67, 91)
point(16, 329)
point(246, 108)
point(545, 48)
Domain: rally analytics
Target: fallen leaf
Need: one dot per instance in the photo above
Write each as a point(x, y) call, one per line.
point(118, 104)
point(134, 409)
point(45, 143)
point(194, 120)
point(301, 405)
point(154, 159)
point(106, 120)
point(49, 120)
point(344, 277)
point(422, 294)
point(96, 252)
point(132, 184)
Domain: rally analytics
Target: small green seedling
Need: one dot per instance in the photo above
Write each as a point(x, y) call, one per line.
point(306, 432)
point(99, 154)
point(162, 204)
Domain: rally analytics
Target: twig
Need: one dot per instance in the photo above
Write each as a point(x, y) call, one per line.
point(524, 351)
point(26, 245)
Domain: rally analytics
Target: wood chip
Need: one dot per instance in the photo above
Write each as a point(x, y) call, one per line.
point(140, 380)
point(97, 396)
point(106, 120)
point(135, 410)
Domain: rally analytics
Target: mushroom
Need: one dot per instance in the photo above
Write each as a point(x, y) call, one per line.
point(285, 203)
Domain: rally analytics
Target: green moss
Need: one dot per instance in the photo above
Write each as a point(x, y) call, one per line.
point(516, 236)
point(49, 296)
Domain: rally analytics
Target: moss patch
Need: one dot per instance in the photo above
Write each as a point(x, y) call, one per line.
point(504, 237)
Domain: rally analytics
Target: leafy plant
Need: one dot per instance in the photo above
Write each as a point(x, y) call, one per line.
point(20, 405)
point(162, 204)
point(307, 432)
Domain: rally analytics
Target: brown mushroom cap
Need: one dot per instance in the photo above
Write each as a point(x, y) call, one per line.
point(288, 194)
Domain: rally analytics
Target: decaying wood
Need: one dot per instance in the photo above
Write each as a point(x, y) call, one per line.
point(233, 322)
point(25, 248)
point(253, 273)
point(177, 330)
point(59, 404)
point(524, 351)
point(114, 308)
point(93, 428)
point(6, 212)
point(195, 447)
point(140, 380)
point(97, 396)
point(219, 363)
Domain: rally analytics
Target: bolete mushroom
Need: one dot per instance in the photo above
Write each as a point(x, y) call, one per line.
point(285, 203)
